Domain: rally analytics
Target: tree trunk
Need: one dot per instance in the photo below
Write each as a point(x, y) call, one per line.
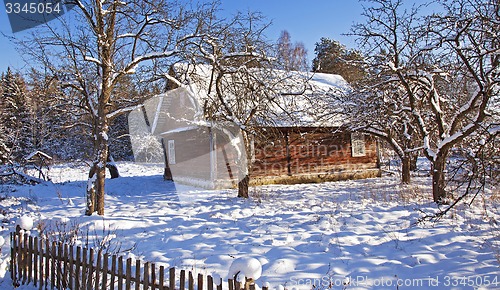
point(243, 187)
point(167, 173)
point(91, 200)
point(97, 174)
point(244, 167)
point(111, 165)
point(113, 170)
point(405, 169)
point(438, 179)
point(101, 177)
point(413, 162)
point(105, 29)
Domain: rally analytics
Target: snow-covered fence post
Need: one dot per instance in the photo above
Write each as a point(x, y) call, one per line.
point(245, 270)
point(13, 253)
point(217, 280)
point(21, 251)
point(171, 278)
point(266, 286)
point(237, 284)
point(200, 282)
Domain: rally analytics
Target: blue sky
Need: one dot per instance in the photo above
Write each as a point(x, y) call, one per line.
point(306, 21)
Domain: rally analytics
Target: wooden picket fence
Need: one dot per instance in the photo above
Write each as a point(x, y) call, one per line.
point(51, 265)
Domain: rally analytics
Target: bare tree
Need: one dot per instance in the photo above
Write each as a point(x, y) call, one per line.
point(244, 85)
point(379, 103)
point(446, 68)
point(240, 89)
point(101, 42)
point(475, 166)
point(382, 113)
point(466, 46)
point(284, 47)
point(291, 56)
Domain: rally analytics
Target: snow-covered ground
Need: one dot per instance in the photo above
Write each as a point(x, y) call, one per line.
point(363, 233)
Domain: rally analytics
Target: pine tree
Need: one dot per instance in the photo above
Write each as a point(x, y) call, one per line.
point(334, 57)
point(4, 150)
point(48, 114)
point(15, 115)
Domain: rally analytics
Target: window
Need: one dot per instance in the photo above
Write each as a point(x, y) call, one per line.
point(358, 144)
point(171, 151)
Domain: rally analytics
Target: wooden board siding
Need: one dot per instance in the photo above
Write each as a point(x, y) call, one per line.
point(192, 153)
point(195, 161)
point(226, 157)
point(310, 152)
point(305, 155)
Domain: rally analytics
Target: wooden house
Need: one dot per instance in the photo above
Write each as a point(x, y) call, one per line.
point(302, 140)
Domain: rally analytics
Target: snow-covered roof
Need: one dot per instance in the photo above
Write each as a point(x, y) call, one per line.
point(38, 153)
point(318, 105)
point(302, 99)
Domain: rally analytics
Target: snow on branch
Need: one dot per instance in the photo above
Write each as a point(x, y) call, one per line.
point(123, 110)
point(92, 59)
point(131, 67)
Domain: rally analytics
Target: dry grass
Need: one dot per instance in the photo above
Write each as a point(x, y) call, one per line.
point(413, 193)
point(315, 178)
point(495, 195)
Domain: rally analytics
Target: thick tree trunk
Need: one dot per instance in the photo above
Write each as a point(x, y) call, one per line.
point(438, 179)
point(95, 189)
point(105, 30)
point(244, 167)
point(97, 174)
point(405, 170)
